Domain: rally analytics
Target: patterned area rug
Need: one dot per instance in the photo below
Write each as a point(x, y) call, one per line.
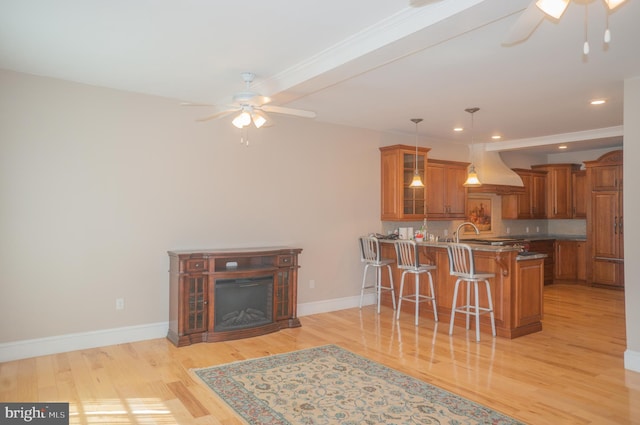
point(330, 385)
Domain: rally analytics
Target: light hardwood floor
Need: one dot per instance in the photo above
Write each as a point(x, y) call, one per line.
point(570, 373)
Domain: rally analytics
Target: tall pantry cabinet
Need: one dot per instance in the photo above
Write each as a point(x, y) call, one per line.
point(605, 224)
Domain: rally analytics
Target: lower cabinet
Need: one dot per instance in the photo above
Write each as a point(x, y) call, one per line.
point(528, 293)
point(545, 246)
point(570, 260)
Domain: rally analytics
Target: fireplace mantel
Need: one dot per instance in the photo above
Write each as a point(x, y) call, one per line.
point(192, 286)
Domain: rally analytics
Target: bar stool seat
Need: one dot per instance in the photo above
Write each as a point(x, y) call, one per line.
point(370, 255)
point(408, 261)
point(462, 265)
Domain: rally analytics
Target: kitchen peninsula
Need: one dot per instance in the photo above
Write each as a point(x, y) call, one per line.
point(517, 287)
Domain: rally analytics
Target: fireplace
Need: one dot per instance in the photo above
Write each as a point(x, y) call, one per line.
point(243, 303)
point(220, 295)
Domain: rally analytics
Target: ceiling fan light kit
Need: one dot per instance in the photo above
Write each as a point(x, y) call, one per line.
point(553, 8)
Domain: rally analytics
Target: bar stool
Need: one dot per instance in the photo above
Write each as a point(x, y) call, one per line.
point(462, 265)
point(370, 255)
point(409, 262)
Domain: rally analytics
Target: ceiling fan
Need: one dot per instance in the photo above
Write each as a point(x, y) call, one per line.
point(538, 10)
point(251, 107)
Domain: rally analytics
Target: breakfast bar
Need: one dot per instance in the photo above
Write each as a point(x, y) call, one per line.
point(516, 289)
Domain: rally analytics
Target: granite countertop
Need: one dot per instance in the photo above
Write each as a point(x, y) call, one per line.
point(475, 247)
point(482, 247)
point(542, 237)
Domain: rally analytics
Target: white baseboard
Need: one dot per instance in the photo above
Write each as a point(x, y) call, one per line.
point(632, 360)
point(17, 350)
point(80, 341)
point(336, 304)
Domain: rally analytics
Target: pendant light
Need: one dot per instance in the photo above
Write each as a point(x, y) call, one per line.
point(472, 176)
point(417, 181)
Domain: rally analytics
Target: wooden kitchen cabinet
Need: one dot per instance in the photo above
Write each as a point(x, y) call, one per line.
point(570, 260)
point(399, 201)
point(605, 230)
point(559, 200)
point(545, 246)
point(581, 260)
point(529, 204)
point(528, 293)
point(446, 195)
point(579, 193)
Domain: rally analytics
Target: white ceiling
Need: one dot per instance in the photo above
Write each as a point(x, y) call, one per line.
point(366, 63)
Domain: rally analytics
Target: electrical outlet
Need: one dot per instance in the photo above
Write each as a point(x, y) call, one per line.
point(119, 303)
point(537, 229)
point(526, 230)
point(508, 230)
point(312, 284)
point(446, 232)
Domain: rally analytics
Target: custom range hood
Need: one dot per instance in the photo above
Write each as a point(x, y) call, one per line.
point(494, 175)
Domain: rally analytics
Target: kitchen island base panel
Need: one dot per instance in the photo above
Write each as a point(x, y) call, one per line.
point(516, 290)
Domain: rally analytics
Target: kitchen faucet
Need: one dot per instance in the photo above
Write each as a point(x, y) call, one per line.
point(466, 223)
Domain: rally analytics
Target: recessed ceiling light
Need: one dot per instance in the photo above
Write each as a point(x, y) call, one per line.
point(496, 137)
point(562, 147)
point(598, 101)
point(458, 129)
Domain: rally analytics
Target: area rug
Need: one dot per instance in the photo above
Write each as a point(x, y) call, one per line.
point(330, 385)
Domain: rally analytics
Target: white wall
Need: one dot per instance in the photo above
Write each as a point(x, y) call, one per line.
point(631, 223)
point(97, 184)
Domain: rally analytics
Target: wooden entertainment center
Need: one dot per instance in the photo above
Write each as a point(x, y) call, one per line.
point(196, 276)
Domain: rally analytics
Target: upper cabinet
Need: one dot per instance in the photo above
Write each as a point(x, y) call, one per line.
point(446, 195)
point(559, 201)
point(579, 193)
point(398, 200)
point(531, 203)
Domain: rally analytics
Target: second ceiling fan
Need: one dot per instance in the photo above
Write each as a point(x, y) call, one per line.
point(538, 10)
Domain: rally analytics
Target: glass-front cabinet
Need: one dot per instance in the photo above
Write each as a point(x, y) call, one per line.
point(399, 201)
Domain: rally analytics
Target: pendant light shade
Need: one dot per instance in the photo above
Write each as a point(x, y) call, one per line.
point(417, 181)
point(472, 176)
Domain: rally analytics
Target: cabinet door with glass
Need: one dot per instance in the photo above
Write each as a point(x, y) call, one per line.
point(400, 201)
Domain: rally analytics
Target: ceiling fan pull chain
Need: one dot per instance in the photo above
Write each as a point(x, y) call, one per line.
point(607, 33)
point(585, 48)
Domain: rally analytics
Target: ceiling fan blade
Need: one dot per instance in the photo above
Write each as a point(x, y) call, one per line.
point(526, 24)
point(218, 114)
point(289, 111)
point(420, 3)
point(194, 104)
